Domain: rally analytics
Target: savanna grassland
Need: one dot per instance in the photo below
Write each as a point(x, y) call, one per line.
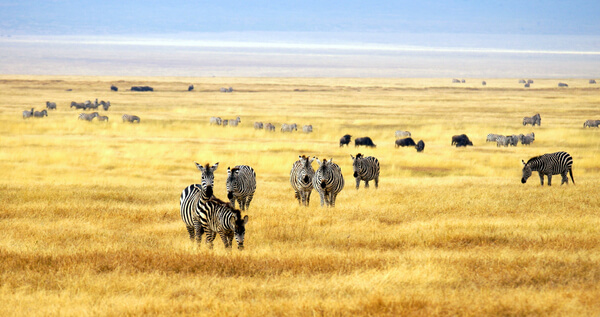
point(90, 224)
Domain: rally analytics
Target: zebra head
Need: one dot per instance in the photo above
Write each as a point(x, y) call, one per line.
point(526, 172)
point(208, 177)
point(239, 228)
point(231, 178)
point(356, 163)
point(307, 166)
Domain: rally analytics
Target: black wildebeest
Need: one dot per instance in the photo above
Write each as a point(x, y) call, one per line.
point(461, 140)
point(345, 140)
point(562, 85)
point(405, 142)
point(366, 141)
point(191, 87)
point(114, 88)
point(420, 146)
point(141, 88)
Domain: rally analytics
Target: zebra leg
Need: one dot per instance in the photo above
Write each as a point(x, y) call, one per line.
point(199, 231)
point(549, 179)
point(210, 237)
point(366, 184)
point(322, 195)
point(191, 232)
point(299, 196)
point(307, 198)
point(225, 240)
point(248, 200)
point(332, 200)
point(376, 182)
point(565, 179)
point(357, 182)
point(541, 178)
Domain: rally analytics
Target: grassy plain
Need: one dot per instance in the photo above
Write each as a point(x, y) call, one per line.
point(90, 221)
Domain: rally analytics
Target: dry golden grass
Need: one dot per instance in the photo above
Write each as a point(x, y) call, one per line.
point(90, 210)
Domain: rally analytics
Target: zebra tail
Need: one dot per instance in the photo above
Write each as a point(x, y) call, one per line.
point(571, 173)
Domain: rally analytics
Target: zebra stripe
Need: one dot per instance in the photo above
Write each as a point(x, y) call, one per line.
point(301, 177)
point(591, 123)
point(196, 194)
point(492, 137)
point(219, 217)
point(131, 118)
point(241, 185)
point(40, 114)
point(87, 116)
point(365, 169)
point(102, 118)
point(328, 181)
point(27, 114)
point(549, 164)
point(536, 119)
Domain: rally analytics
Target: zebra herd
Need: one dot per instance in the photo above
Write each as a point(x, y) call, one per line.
point(259, 125)
point(82, 116)
point(512, 140)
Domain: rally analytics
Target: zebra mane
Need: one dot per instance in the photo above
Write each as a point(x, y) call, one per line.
point(359, 155)
point(220, 202)
point(533, 158)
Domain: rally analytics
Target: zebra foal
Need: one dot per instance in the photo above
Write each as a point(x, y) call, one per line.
point(549, 164)
point(328, 181)
point(301, 177)
point(219, 217)
point(194, 195)
point(365, 169)
point(241, 185)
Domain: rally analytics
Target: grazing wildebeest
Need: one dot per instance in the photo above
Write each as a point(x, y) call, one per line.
point(191, 87)
point(461, 137)
point(51, 105)
point(27, 114)
point(345, 140)
point(366, 141)
point(527, 85)
point(402, 134)
point(483, 83)
point(40, 114)
point(141, 88)
point(270, 127)
point(405, 142)
point(562, 85)
point(591, 123)
point(258, 125)
point(420, 146)
point(592, 81)
point(114, 88)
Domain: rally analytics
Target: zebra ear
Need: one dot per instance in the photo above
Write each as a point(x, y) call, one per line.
point(214, 167)
point(318, 161)
point(200, 167)
point(245, 219)
point(228, 171)
point(310, 161)
point(352, 157)
point(523, 162)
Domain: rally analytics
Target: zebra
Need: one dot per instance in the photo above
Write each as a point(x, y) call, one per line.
point(78, 105)
point(241, 185)
point(549, 164)
point(90, 105)
point(402, 134)
point(87, 116)
point(527, 140)
point(328, 181)
point(301, 177)
point(591, 123)
point(513, 140)
point(307, 128)
point(288, 127)
point(130, 118)
point(215, 120)
point(102, 118)
point(216, 216)
point(270, 127)
point(234, 123)
point(51, 105)
point(225, 122)
point(40, 114)
point(258, 125)
point(502, 140)
point(27, 114)
point(196, 194)
point(365, 169)
point(105, 105)
point(492, 137)
point(536, 119)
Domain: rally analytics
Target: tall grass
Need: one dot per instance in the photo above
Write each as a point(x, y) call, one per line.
point(90, 210)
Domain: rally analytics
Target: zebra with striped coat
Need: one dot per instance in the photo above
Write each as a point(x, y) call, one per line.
point(241, 185)
point(591, 123)
point(51, 105)
point(365, 169)
point(40, 114)
point(87, 116)
point(102, 118)
point(215, 120)
point(131, 118)
point(328, 181)
point(27, 114)
point(301, 178)
point(549, 164)
point(492, 137)
point(194, 195)
point(219, 217)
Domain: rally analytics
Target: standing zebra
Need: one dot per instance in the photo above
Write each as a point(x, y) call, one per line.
point(27, 114)
point(591, 123)
point(241, 185)
point(87, 116)
point(194, 195)
point(219, 217)
point(215, 120)
point(234, 123)
point(365, 169)
point(301, 178)
point(549, 164)
point(102, 118)
point(51, 105)
point(130, 118)
point(328, 181)
point(492, 137)
point(40, 114)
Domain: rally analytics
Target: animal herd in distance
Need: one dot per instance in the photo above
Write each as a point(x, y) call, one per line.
point(87, 105)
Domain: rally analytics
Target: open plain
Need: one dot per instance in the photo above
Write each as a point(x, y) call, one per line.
point(90, 223)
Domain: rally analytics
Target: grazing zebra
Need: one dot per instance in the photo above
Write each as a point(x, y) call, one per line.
point(216, 216)
point(51, 105)
point(402, 134)
point(527, 140)
point(40, 114)
point(194, 195)
point(549, 164)
point(234, 123)
point(102, 118)
point(130, 118)
point(258, 125)
point(270, 127)
point(27, 114)
point(215, 120)
point(513, 140)
point(78, 105)
point(301, 178)
point(328, 181)
point(105, 105)
point(492, 137)
point(591, 123)
point(501, 140)
point(288, 127)
point(365, 169)
point(90, 105)
point(307, 128)
point(87, 116)
point(241, 185)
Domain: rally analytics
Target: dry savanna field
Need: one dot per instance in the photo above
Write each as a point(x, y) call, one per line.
point(90, 220)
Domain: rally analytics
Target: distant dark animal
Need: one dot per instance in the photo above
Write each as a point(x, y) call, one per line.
point(241, 185)
point(51, 105)
point(223, 89)
point(40, 114)
point(131, 118)
point(366, 141)
point(463, 81)
point(405, 142)
point(463, 139)
point(258, 125)
point(114, 88)
point(225, 122)
point(527, 85)
point(105, 105)
point(27, 114)
point(103, 118)
point(191, 87)
point(455, 81)
point(328, 181)
point(420, 146)
point(483, 83)
point(530, 81)
point(142, 88)
point(522, 81)
point(365, 169)
point(549, 164)
point(78, 105)
point(591, 123)
point(87, 116)
point(345, 140)
point(464, 143)
point(592, 81)
point(562, 85)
